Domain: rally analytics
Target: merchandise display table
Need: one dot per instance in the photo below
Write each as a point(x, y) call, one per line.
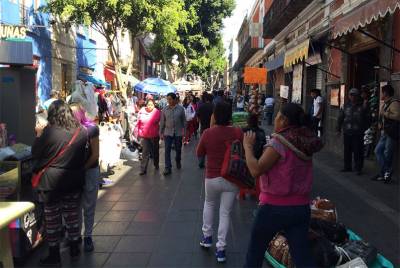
point(9, 211)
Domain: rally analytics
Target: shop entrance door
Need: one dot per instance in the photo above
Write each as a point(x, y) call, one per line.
point(362, 68)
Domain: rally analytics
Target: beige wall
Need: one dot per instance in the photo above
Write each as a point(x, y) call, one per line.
point(64, 52)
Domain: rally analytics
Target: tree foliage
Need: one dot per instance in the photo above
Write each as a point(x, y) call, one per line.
point(198, 42)
point(109, 17)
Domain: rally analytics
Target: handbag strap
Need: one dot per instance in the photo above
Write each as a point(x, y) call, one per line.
point(63, 149)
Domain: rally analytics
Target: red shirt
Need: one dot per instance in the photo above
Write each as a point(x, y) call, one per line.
point(213, 145)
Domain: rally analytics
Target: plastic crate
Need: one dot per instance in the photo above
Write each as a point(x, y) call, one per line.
point(380, 261)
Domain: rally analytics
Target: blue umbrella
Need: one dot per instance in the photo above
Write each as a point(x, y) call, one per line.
point(155, 86)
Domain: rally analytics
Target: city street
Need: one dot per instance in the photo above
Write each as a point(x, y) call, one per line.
point(153, 221)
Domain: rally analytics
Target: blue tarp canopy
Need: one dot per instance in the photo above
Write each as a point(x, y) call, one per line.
point(95, 81)
point(155, 86)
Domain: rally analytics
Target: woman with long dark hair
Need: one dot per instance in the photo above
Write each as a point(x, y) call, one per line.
point(59, 151)
point(286, 179)
point(92, 174)
point(218, 190)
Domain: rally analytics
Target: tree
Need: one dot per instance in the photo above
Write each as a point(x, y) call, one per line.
point(209, 66)
point(109, 17)
point(200, 48)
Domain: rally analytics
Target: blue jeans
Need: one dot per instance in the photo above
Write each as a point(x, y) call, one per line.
point(293, 220)
point(177, 140)
point(384, 154)
point(89, 200)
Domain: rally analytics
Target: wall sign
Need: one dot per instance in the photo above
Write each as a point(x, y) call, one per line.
point(284, 92)
point(335, 97)
point(12, 31)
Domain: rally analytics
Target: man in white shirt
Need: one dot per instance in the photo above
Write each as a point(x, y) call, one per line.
point(239, 102)
point(317, 112)
point(269, 108)
point(53, 97)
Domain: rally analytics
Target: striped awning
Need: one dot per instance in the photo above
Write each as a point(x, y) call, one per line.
point(363, 15)
point(297, 54)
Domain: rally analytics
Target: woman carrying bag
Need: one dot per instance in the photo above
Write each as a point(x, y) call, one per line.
point(59, 152)
point(286, 179)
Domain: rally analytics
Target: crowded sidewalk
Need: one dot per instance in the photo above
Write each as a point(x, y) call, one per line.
point(155, 221)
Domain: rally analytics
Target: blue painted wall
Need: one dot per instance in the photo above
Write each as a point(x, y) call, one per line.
point(40, 38)
point(10, 12)
point(86, 51)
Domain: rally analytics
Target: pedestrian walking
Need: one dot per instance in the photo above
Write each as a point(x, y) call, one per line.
point(239, 101)
point(317, 110)
point(92, 176)
point(172, 125)
point(389, 124)
point(353, 119)
point(269, 105)
point(212, 145)
point(59, 152)
point(147, 130)
point(286, 179)
point(204, 114)
point(190, 114)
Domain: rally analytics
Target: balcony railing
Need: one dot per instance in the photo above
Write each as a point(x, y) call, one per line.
point(280, 14)
point(247, 51)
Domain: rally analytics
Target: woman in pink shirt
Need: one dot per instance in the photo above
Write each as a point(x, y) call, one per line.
point(147, 128)
point(286, 181)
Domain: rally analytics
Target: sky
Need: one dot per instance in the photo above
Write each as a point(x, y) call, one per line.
point(232, 24)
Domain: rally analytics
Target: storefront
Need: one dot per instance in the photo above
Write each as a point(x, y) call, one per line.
point(361, 56)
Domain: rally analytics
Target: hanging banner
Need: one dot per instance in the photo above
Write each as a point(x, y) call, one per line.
point(297, 54)
point(297, 83)
point(255, 75)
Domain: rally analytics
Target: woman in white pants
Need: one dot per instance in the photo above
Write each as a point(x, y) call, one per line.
point(213, 145)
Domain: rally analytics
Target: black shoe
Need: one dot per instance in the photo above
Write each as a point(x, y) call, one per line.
point(387, 178)
point(178, 165)
point(74, 250)
point(54, 258)
point(167, 171)
point(346, 170)
point(201, 166)
point(88, 244)
point(142, 173)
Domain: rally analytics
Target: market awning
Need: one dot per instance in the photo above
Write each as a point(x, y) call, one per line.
point(130, 79)
point(276, 62)
point(94, 80)
point(297, 54)
point(364, 15)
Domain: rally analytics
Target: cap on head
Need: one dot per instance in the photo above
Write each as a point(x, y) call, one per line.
point(354, 92)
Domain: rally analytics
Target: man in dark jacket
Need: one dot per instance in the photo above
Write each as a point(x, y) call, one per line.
point(204, 115)
point(353, 119)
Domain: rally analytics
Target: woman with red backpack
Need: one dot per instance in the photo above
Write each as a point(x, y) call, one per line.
point(213, 144)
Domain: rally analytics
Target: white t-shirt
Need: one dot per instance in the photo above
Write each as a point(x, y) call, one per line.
point(317, 104)
point(269, 102)
point(240, 102)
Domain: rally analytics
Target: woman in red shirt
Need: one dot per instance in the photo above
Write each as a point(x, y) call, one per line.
point(213, 145)
point(147, 129)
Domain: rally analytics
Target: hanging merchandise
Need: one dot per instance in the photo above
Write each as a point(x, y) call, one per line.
point(110, 145)
point(84, 94)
